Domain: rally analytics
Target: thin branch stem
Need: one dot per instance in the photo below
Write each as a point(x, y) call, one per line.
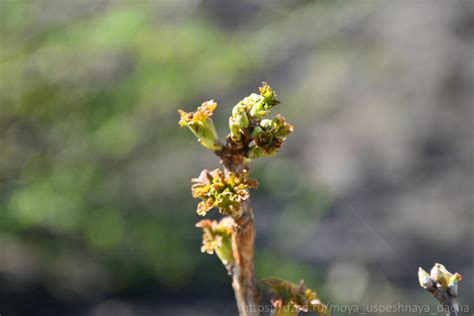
point(243, 273)
point(243, 240)
point(447, 299)
point(243, 245)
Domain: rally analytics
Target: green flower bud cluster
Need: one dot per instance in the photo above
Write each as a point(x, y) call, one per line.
point(269, 96)
point(202, 125)
point(269, 136)
point(221, 191)
point(260, 137)
point(290, 299)
point(217, 237)
point(439, 278)
point(259, 105)
point(248, 121)
point(443, 285)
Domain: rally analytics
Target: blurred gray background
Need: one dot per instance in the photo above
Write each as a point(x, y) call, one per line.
point(96, 214)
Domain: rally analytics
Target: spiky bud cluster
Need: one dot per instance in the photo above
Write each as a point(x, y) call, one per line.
point(221, 191)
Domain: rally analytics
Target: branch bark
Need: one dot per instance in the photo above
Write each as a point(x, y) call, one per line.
point(243, 272)
point(243, 244)
point(447, 299)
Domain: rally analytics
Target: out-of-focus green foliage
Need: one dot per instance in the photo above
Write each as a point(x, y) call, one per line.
point(81, 99)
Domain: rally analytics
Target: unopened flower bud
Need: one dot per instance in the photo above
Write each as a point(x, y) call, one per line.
point(258, 108)
point(270, 97)
point(424, 279)
point(455, 278)
point(453, 284)
point(256, 131)
point(239, 114)
point(440, 275)
point(202, 125)
point(235, 132)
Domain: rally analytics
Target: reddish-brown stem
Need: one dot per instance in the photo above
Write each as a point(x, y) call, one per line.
point(243, 272)
point(446, 298)
point(243, 240)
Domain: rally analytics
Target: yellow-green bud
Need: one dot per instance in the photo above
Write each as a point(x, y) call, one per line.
point(424, 278)
point(258, 108)
point(235, 132)
point(239, 113)
point(454, 279)
point(453, 283)
point(257, 131)
point(201, 125)
point(270, 97)
point(440, 275)
point(259, 105)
